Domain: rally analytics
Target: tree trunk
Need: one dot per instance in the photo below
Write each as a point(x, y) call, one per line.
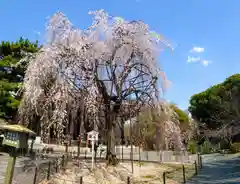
point(111, 154)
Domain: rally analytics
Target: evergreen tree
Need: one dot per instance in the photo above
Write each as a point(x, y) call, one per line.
point(11, 75)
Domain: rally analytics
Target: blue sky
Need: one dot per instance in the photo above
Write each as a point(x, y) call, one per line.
point(210, 28)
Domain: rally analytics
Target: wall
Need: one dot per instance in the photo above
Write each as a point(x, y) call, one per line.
point(154, 156)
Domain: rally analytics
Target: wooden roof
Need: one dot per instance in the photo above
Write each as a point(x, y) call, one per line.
point(17, 128)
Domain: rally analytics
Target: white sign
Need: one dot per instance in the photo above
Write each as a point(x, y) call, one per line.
point(38, 140)
point(92, 135)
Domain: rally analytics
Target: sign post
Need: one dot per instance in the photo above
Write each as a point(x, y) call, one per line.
point(16, 138)
point(93, 137)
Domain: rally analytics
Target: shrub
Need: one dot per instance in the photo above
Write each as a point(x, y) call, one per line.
point(235, 147)
point(192, 147)
point(206, 147)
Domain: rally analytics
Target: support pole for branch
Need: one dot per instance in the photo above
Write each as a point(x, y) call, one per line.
point(122, 136)
point(92, 153)
point(131, 156)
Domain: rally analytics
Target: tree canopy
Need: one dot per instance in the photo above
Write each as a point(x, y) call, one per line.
point(12, 74)
point(219, 104)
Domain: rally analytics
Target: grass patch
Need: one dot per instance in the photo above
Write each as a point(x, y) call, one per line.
point(175, 171)
point(148, 176)
point(140, 163)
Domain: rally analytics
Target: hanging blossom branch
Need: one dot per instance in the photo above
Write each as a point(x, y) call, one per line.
point(109, 63)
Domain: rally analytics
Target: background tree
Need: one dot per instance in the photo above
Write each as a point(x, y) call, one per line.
point(218, 107)
point(12, 74)
point(159, 127)
point(184, 123)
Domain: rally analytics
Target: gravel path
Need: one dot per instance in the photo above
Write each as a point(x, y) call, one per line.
point(218, 169)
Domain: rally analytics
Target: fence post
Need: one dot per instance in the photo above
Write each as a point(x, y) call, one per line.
point(95, 156)
point(128, 180)
point(49, 170)
point(35, 175)
point(81, 180)
point(139, 155)
point(63, 160)
point(78, 149)
point(196, 170)
point(198, 156)
point(56, 162)
point(122, 150)
point(164, 177)
point(201, 162)
point(85, 154)
point(184, 177)
point(66, 148)
point(131, 159)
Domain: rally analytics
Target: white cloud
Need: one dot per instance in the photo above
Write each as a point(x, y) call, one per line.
point(205, 62)
point(193, 59)
point(196, 49)
point(196, 58)
point(199, 60)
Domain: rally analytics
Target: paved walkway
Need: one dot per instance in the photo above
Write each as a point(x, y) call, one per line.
point(217, 170)
point(21, 175)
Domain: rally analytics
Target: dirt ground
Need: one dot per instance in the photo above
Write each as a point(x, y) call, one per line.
point(150, 173)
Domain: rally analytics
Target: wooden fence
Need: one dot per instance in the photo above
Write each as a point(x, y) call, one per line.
point(46, 169)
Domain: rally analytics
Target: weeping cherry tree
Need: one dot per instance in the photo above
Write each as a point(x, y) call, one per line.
point(110, 64)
